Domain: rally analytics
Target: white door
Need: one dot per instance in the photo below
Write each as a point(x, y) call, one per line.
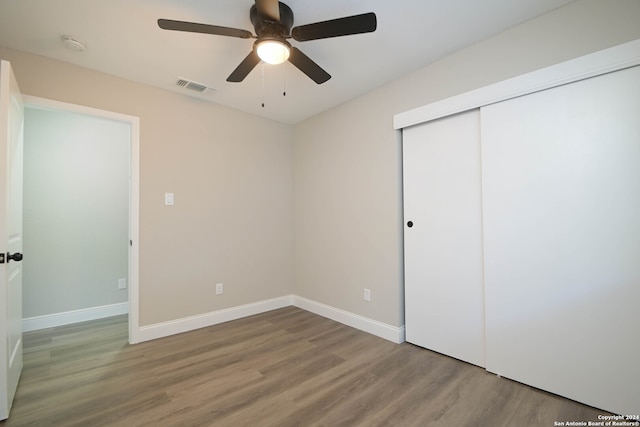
point(11, 126)
point(561, 189)
point(444, 308)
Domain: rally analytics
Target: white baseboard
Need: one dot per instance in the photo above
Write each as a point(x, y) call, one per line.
point(391, 333)
point(75, 316)
point(164, 329)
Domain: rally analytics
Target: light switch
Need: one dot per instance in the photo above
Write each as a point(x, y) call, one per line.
point(168, 199)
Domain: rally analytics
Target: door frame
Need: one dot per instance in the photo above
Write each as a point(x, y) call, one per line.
point(134, 194)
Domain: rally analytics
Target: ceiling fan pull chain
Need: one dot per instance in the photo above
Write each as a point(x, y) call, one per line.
point(262, 69)
point(284, 79)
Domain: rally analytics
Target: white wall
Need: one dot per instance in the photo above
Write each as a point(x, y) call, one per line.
point(348, 218)
point(76, 211)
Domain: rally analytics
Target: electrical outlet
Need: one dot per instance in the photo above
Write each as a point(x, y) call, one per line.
point(367, 295)
point(219, 288)
point(122, 284)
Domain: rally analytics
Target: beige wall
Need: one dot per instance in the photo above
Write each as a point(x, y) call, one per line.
point(240, 183)
point(232, 178)
point(348, 216)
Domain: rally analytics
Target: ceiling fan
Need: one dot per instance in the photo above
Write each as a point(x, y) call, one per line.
point(272, 21)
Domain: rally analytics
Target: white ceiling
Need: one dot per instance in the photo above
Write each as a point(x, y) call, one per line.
point(123, 39)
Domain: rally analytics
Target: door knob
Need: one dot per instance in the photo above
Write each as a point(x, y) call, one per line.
point(16, 257)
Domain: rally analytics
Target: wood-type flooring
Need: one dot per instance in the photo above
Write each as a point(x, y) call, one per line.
point(287, 367)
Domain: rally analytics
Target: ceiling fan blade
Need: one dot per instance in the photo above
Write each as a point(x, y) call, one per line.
point(269, 9)
point(245, 67)
point(192, 27)
point(356, 24)
point(307, 66)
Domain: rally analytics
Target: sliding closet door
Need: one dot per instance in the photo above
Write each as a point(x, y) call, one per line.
point(561, 194)
point(443, 238)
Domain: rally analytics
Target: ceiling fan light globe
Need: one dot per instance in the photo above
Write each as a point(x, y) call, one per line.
point(273, 51)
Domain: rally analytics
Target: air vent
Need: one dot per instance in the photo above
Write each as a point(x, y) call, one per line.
point(195, 86)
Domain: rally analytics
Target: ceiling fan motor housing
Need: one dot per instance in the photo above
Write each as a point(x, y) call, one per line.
point(267, 28)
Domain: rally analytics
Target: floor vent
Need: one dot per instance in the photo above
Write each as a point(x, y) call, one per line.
point(194, 86)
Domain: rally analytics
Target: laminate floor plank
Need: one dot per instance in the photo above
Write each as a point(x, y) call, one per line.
point(283, 368)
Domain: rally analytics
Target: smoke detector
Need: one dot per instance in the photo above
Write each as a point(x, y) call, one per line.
point(72, 43)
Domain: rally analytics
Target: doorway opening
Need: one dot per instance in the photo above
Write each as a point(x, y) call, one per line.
point(81, 214)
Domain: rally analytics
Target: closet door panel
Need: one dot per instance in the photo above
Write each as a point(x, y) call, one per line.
point(443, 248)
point(561, 214)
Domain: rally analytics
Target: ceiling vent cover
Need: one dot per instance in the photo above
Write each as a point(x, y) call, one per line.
point(195, 86)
